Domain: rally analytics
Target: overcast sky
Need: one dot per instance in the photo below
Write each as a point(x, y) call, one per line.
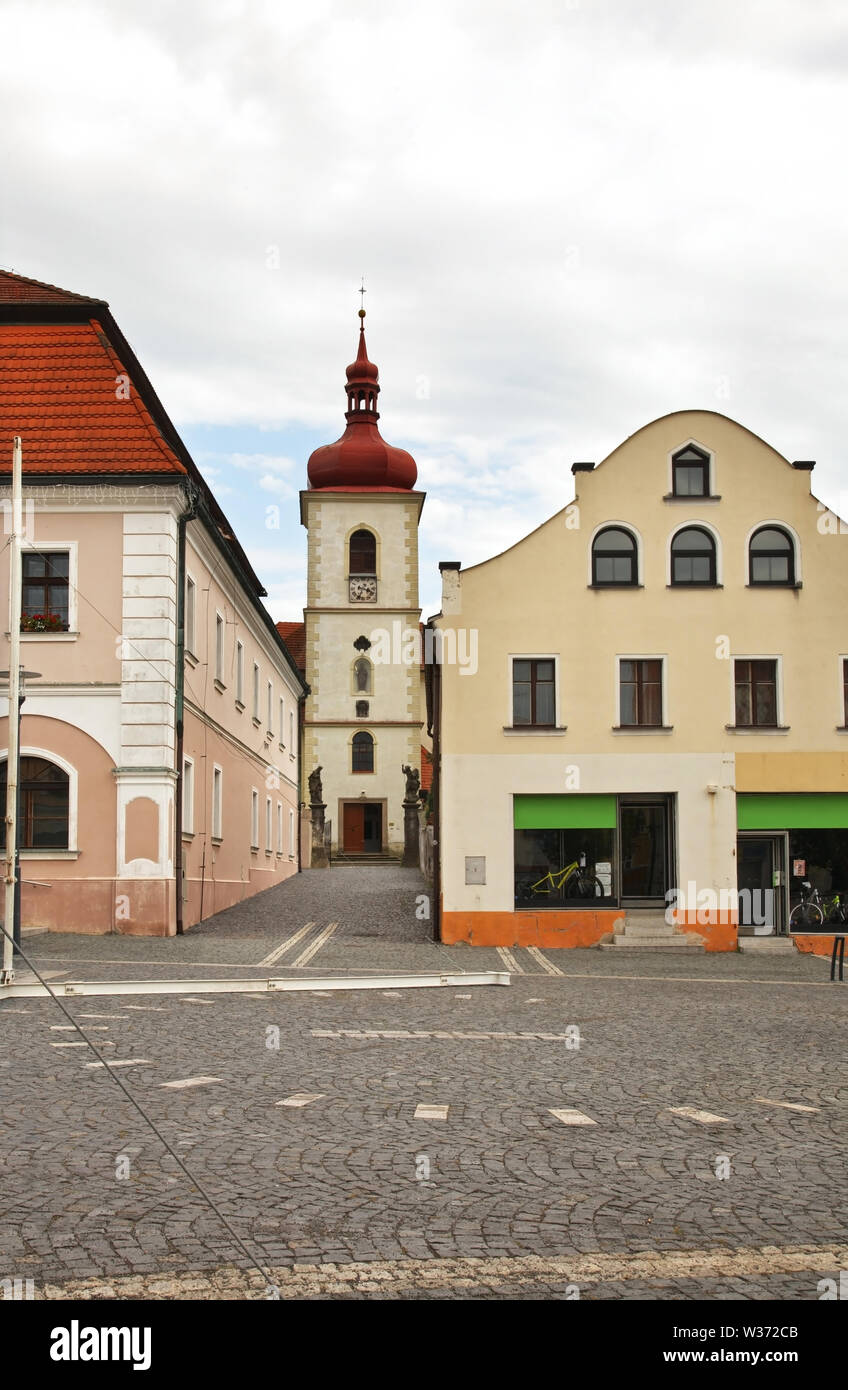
point(573, 216)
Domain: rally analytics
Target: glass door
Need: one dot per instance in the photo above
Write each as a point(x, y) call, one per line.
point(760, 884)
point(645, 851)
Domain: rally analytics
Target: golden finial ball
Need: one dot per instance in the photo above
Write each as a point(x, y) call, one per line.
point(362, 313)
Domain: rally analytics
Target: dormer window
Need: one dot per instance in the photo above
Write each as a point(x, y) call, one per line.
point(690, 473)
point(772, 557)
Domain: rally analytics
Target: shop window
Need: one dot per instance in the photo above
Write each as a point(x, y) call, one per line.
point(614, 558)
point(693, 557)
point(772, 557)
point(362, 749)
point(690, 469)
point(45, 805)
point(756, 694)
point(640, 694)
point(533, 690)
point(818, 857)
point(569, 868)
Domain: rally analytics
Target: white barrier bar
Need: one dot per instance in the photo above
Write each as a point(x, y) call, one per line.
point(65, 988)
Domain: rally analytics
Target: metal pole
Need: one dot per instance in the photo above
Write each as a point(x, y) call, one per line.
point(16, 929)
point(13, 756)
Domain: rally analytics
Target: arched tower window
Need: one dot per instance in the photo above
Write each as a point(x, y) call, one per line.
point(363, 553)
point(45, 803)
point(362, 749)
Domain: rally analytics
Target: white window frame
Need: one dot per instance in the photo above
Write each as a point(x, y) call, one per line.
point(642, 729)
point(269, 815)
point(188, 796)
point(220, 646)
point(279, 827)
point(270, 710)
point(291, 834)
point(282, 722)
point(240, 673)
point(640, 553)
point(292, 740)
point(757, 730)
point(510, 713)
point(254, 818)
point(51, 547)
point(256, 691)
point(190, 618)
point(711, 478)
point(700, 525)
point(217, 802)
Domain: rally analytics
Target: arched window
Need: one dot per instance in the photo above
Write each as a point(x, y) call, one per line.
point(614, 557)
point(772, 556)
point(45, 803)
point(362, 676)
point(363, 553)
point(693, 557)
point(363, 753)
point(690, 473)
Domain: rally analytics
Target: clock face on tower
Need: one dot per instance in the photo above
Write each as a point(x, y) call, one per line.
point(363, 590)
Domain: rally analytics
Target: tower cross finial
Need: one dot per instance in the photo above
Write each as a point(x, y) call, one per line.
point(362, 291)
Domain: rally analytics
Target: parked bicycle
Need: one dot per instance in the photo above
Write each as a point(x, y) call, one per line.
point(575, 880)
point(814, 912)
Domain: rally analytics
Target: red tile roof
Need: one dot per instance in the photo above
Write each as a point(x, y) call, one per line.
point(294, 636)
point(426, 769)
point(19, 289)
point(59, 391)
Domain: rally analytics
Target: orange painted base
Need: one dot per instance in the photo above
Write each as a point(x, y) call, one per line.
point(581, 928)
point(718, 929)
point(818, 945)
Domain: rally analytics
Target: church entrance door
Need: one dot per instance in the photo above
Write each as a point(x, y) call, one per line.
point(362, 827)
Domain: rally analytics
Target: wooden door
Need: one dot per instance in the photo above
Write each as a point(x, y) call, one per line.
point(354, 828)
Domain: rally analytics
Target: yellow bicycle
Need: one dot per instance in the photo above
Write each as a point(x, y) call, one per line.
point(575, 880)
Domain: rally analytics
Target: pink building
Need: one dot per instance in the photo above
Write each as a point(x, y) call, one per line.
point(167, 698)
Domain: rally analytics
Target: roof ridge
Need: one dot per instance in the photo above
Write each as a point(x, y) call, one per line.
point(135, 397)
point(27, 280)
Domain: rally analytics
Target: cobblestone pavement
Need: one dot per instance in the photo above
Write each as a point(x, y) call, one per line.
point(352, 1190)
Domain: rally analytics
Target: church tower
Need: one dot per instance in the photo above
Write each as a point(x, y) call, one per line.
point(363, 717)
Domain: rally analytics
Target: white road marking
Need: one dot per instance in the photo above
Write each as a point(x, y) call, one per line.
point(431, 1112)
point(101, 1042)
point(102, 1015)
point(509, 961)
point(788, 1105)
point(704, 1117)
point(314, 946)
point(543, 961)
point(322, 993)
point(572, 1117)
point(453, 1034)
point(146, 1008)
point(69, 1028)
point(533, 1001)
point(128, 1062)
point(287, 944)
point(189, 1081)
point(301, 1098)
point(396, 994)
point(190, 999)
point(462, 996)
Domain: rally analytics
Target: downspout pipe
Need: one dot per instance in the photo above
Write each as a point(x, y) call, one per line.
point(433, 684)
point(179, 693)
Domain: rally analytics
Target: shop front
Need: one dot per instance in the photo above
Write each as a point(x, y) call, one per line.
point(787, 840)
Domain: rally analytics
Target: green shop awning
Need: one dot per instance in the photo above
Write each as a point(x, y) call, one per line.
point(792, 811)
point(564, 812)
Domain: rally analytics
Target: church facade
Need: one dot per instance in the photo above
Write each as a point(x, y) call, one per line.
point(363, 716)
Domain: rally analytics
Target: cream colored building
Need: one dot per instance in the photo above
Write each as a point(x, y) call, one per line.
point(661, 700)
point(363, 715)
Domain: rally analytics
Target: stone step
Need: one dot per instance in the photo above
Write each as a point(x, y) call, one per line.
point(661, 928)
point(675, 942)
point(771, 945)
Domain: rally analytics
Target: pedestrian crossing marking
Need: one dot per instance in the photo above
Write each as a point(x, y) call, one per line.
point(509, 961)
point(788, 1105)
point(301, 1098)
point(123, 1062)
point(287, 944)
point(546, 964)
point(188, 1081)
point(314, 946)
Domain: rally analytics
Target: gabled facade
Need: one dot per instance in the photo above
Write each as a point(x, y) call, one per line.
point(157, 789)
point(659, 718)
